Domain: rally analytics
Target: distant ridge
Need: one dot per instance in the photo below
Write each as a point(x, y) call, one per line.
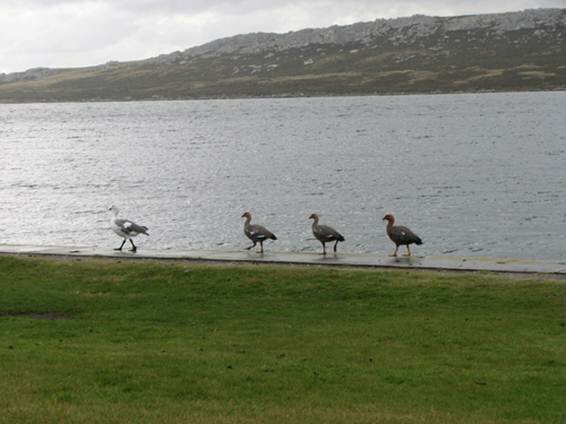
point(420, 54)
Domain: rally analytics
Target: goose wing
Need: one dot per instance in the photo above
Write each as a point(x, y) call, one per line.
point(129, 227)
point(259, 233)
point(326, 233)
point(402, 235)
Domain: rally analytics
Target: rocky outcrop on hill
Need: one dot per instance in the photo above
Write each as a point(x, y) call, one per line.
point(30, 74)
point(400, 30)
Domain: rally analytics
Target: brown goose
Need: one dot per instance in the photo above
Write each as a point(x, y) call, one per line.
point(400, 235)
point(324, 233)
point(256, 233)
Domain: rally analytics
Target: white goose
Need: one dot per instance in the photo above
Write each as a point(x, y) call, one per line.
point(125, 228)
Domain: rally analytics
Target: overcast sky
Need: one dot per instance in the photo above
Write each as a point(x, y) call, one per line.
point(64, 33)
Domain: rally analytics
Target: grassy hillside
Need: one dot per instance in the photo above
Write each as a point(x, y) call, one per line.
point(110, 342)
point(450, 56)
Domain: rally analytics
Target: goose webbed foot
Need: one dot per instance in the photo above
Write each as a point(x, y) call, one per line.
point(394, 254)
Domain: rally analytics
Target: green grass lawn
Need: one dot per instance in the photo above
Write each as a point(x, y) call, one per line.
point(108, 342)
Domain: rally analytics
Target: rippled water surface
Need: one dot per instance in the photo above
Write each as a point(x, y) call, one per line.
point(477, 174)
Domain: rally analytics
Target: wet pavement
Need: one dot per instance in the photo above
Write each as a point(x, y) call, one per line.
point(378, 260)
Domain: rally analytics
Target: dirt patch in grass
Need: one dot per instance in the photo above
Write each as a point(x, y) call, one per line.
point(47, 316)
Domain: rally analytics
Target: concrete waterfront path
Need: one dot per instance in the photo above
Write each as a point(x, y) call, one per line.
point(377, 260)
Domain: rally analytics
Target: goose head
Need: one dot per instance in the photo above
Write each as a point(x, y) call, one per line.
point(389, 217)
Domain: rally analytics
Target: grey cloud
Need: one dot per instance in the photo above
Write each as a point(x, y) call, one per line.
point(241, 7)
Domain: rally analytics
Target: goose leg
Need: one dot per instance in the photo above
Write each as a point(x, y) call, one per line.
point(395, 252)
point(261, 247)
point(323, 248)
point(408, 251)
point(253, 245)
point(122, 245)
point(134, 248)
point(335, 246)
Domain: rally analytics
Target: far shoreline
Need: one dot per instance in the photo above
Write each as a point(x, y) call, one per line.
point(287, 96)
